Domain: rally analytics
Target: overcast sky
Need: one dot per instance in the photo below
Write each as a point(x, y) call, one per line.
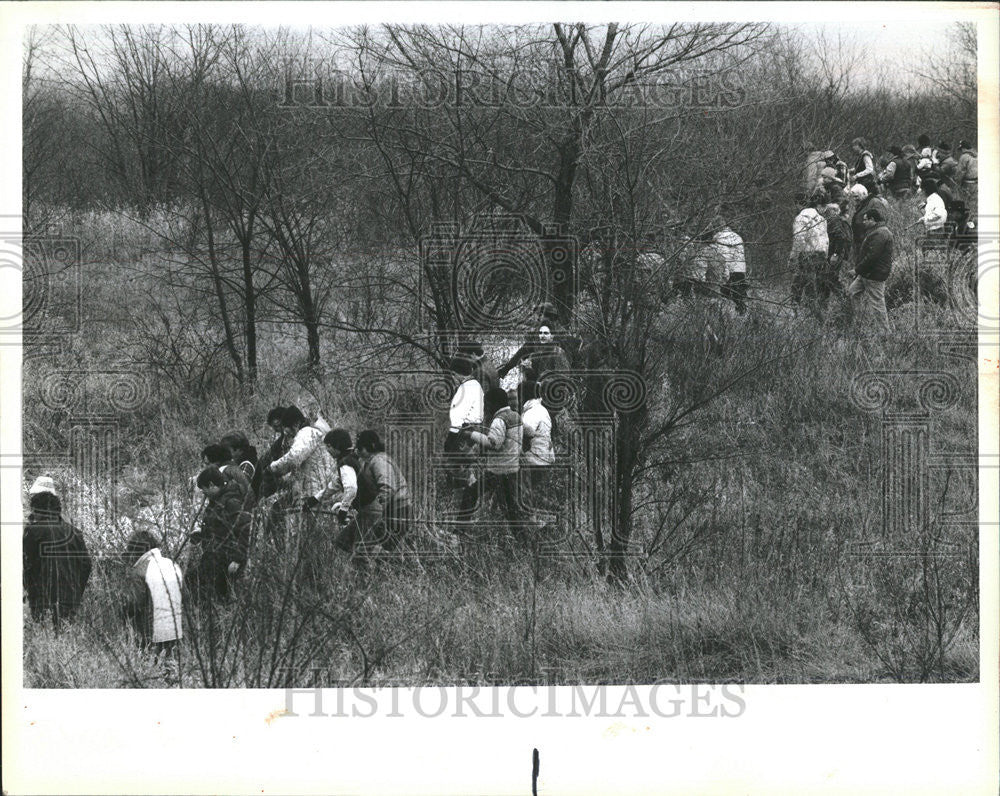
point(900, 49)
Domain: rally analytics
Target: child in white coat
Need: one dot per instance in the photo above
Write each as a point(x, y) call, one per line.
point(153, 602)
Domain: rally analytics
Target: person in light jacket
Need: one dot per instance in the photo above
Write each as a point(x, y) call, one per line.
point(536, 423)
point(935, 210)
point(967, 174)
point(365, 527)
point(466, 412)
point(393, 491)
point(537, 455)
point(502, 446)
point(729, 246)
point(808, 259)
point(153, 594)
point(307, 465)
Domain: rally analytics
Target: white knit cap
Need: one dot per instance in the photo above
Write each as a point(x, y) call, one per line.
point(43, 483)
point(859, 191)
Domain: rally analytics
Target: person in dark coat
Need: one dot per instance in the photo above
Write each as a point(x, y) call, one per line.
point(269, 483)
point(862, 202)
point(838, 230)
point(873, 266)
point(244, 455)
point(56, 561)
point(897, 178)
point(864, 166)
point(224, 537)
point(221, 456)
point(547, 316)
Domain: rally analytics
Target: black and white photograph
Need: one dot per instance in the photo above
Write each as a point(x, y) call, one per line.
point(466, 365)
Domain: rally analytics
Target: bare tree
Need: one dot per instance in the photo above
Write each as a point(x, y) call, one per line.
point(954, 76)
point(521, 154)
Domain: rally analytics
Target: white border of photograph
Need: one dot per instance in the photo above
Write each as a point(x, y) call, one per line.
point(786, 739)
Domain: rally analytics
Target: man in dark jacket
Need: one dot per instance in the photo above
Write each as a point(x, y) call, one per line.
point(225, 534)
point(269, 483)
point(244, 455)
point(862, 202)
point(872, 268)
point(838, 230)
point(56, 562)
point(898, 176)
point(221, 456)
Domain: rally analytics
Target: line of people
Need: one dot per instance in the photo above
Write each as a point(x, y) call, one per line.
point(838, 227)
point(828, 237)
point(499, 447)
point(899, 173)
point(310, 471)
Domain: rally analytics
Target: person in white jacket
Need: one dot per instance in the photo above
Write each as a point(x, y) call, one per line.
point(810, 242)
point(467, 403)
point(153, 599)
point(935, 211)
point(537, 427)
point(465, 413)
point(539, 454)
point(729, 247)
point(307, 465)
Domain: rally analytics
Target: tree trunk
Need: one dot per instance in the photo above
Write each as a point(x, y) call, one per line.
point(625, 462)
point(220, 293)
point(563, 293)
point(250, 314)
point(312, 340)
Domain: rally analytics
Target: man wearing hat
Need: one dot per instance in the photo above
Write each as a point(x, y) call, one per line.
point(967, 174)
point(832, 176)
point(56, 561)
point(867, 291)
point(861, 201)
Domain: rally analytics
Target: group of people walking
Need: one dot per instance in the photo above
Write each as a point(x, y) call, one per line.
point(498, 446)
point(899, 172)
point(317, 474)
point(843, 219)
point(334, 483)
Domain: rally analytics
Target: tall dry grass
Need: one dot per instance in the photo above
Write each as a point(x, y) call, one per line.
point(745, 561)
